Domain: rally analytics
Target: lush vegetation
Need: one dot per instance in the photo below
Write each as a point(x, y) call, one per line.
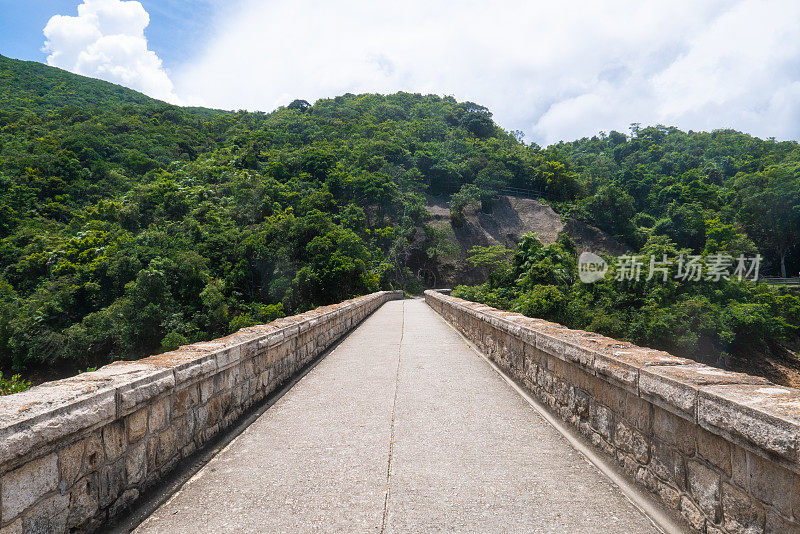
point(708, 192)
point(666, 192)
point(707, 320)
point(13, 385)
point(129, 226)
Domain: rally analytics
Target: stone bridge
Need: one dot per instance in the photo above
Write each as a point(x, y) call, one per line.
point(387, 415)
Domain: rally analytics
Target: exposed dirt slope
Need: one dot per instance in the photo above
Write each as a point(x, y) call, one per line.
point(510, 219)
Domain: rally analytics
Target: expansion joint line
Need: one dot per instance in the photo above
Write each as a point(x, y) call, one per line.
point(394, 411)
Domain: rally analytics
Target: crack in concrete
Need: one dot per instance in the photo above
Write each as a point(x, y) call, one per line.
point(394, 410)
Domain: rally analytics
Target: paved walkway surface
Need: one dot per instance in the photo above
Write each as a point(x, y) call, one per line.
point(469, 454)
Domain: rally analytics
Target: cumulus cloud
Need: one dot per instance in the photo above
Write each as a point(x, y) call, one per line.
point(106, 40)
point(556, 70)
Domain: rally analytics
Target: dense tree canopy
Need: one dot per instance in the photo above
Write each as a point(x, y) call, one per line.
point(128, 225)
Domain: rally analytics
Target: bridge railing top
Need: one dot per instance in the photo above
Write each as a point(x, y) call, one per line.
point(53, 410)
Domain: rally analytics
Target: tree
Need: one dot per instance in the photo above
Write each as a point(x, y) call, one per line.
point(468, 195)
point(493, 258)
point(299, 105)
point(612, 210)
point(490, 181)
point(769, 208)
point(477, 119)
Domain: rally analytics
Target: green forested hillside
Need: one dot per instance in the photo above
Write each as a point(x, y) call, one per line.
point(28, 85)
point(690, 186)
point(128, 225)
point(671, 194)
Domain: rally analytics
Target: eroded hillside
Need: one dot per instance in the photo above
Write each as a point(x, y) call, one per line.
point(510, 218)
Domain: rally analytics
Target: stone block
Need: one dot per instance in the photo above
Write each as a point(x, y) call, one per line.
point(70, 463)
point(618, 372)
point(115, 442)
point(551, 344)
point(136, 464)
point(136, 424)
point(45, 414)
point(580, 354)
point(143, 386)
point(225, 380)
point(201, 365)
point(675, 388)
point(13, 528)
point(579, 403)
point(599, 442)
point(24, 486)
point(602, 420)
point(226, 357)
point(152, 448)
point(218, 407)
point(186, 363)
point(159, 414)
point(641, 447)
point(692, 514)
point(167, 446)
point(715, 450)
point(740, 513)
point(669, 496)
point(739, 466)
point(201, 417)
point(623, 437)
point(646, 478)
point(766, 417)
point(704, 485)
point(770, 483)
point(206, 390)
point(668, 464)
point(184, 430)
point(629, 464)
point(674, 430)
point(83, 504)
point(48, 516)
point(638, 412)
point(589, 383)
point(112, 482)
point(777, 524)
point(612, 396)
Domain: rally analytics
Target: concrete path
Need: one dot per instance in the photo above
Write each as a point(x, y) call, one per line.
point(402, 428)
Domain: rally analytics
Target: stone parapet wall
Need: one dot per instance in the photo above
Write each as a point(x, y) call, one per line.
point(76, 453)
point(721, 447)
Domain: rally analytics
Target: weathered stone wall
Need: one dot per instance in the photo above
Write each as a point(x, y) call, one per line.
point(720, 447)
point(75, 453)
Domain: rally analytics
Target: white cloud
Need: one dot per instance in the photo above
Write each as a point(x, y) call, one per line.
point(556, 70)
point(106, 40)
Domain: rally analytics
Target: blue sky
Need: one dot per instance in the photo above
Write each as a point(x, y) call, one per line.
point(554, 70)
point(176, 26)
